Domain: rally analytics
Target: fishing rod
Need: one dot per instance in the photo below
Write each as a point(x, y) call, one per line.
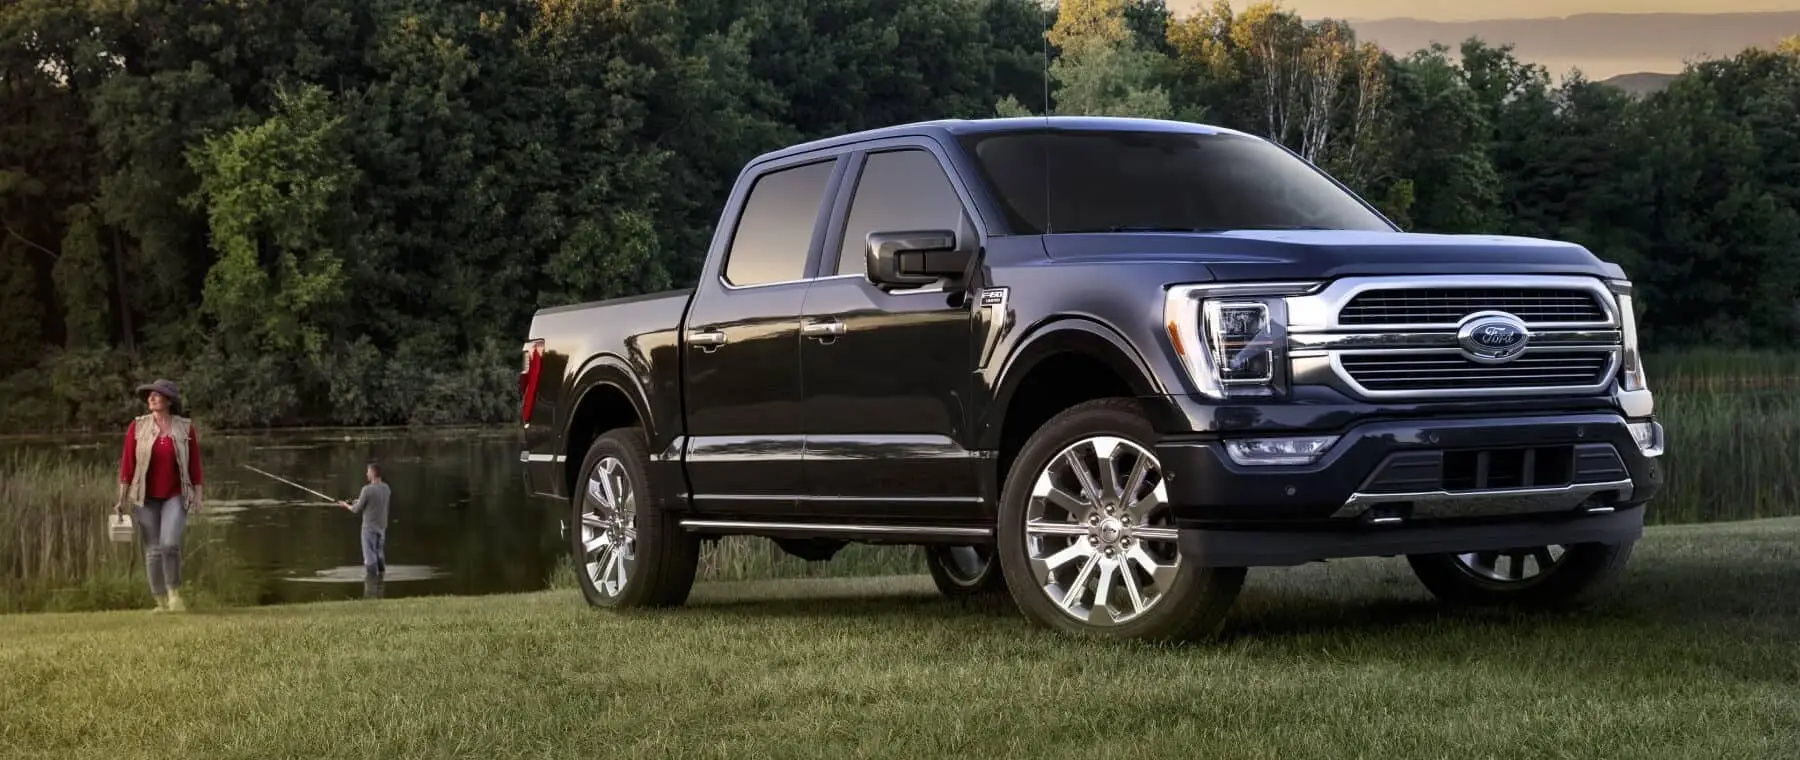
point(291, 483)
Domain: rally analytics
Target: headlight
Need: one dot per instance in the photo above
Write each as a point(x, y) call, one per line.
point(1232, 339)
point(1631, 364)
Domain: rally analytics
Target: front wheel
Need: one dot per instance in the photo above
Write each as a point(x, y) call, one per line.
point(627, 551)
point(1533, 577)
point(1088, 539)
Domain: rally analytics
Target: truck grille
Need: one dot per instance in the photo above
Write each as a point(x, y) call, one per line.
point(1449, 371)
point(1447, 306)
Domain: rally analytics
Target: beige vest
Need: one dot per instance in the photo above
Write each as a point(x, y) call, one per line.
point(181, 430)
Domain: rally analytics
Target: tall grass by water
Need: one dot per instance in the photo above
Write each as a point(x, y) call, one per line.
point(55, 553)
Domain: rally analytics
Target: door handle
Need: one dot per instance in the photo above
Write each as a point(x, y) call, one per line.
point(830, 329)
point(707, 341)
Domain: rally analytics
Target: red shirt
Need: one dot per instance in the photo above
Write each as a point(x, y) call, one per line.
point(162, 479)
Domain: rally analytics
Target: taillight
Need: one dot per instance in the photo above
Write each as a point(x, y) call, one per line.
point(528, 377)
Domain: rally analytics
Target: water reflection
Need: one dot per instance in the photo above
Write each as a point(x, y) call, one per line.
point(459, 522)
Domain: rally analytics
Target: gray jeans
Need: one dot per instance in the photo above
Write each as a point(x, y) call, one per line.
point(161, 522)
point(374, 550)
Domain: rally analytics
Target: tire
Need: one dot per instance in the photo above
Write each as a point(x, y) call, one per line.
point(658, 557)
point(1481, 579)
point(1165, 598)
point(965, 571)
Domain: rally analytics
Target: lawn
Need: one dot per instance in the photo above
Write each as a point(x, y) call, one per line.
point(1695, 655)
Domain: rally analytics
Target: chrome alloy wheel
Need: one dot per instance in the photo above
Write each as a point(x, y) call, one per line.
point(1521, 565)
point(609, 528)
point(1098, 532)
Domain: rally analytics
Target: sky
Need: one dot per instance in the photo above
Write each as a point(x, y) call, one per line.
point(1471, 10)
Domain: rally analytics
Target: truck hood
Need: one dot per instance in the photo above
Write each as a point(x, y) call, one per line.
point(1325, 254)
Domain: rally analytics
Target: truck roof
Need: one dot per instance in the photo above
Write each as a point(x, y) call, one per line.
point(951, 128)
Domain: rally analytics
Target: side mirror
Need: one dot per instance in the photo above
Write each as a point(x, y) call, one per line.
point(915, 257)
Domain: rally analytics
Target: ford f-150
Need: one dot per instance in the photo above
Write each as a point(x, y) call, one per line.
point(1104, 366)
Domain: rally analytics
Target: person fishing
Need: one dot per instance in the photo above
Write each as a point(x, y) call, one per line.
point(372, 504)
point(159, 476)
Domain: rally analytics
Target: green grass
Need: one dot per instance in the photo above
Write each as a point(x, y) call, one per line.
point(1695, 654)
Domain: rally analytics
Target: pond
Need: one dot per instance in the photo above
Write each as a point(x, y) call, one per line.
point(460, 521)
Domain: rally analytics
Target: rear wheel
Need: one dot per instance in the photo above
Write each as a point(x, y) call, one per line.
point(627, 551)
point(965, 571)
point(1087, 538)
point(1533, 577)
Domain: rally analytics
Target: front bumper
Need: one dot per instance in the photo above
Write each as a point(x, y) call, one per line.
point(1414, 487)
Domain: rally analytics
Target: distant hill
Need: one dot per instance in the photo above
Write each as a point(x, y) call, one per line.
point(1602, 45)
point(1640, 83)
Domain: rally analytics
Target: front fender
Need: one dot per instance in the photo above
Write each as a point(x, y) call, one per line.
point(1065, 335)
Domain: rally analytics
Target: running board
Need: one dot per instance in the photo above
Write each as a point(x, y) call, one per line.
point(873, 533)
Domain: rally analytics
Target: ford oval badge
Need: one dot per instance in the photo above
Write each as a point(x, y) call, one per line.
point(1492, 337)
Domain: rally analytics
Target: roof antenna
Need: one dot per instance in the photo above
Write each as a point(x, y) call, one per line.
point(1046, 71)
point(1044, 144)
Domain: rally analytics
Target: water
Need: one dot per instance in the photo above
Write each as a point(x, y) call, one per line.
point(460, 521)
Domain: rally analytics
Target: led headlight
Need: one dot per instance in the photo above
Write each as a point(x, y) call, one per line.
point(1631, 362)
point(1231, 339)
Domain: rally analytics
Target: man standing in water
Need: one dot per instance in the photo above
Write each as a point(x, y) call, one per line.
point(372, 504)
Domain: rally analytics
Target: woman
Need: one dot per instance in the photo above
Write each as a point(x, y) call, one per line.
point(159, 476)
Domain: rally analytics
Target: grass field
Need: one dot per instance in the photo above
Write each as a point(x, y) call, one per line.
point(1696, 654)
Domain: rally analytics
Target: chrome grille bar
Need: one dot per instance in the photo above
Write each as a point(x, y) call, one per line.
point(1450, 305)
point(1395, 337)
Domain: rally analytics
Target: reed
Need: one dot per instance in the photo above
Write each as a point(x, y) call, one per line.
point(1731, 456)
point(55, 553)
point(1705, 371)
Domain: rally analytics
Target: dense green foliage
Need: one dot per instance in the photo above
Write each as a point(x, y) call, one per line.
point(338, 211)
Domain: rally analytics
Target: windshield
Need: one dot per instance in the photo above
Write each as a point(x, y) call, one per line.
point(1058, 181)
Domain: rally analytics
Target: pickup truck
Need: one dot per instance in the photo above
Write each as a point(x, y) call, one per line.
point(1102, 366)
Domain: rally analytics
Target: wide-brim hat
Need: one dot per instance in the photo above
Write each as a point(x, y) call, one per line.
point(165, 387)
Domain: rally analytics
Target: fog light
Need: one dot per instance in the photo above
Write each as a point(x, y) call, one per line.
point(1649, 437)
point(1276, 451)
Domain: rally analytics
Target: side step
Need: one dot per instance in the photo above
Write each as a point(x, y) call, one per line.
point(899, 534)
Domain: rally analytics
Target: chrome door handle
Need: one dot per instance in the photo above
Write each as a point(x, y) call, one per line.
point(822, 329)
point(706, 339)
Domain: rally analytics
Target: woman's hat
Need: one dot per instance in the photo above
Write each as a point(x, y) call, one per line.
point(165, 387)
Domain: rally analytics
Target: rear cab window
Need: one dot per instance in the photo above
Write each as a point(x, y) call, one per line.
point(775, 231)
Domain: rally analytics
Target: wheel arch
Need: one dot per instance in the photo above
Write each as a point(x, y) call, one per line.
point(607, 396)
point(1061, 363)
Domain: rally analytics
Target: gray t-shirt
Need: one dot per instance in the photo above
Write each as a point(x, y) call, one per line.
point(372, 504)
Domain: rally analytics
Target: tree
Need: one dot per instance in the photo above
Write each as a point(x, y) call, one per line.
point(81, 279)
point(21, 316)
point(1102, 68)
point(275, 196)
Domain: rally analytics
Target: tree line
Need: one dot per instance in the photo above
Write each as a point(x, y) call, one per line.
point(345, 211)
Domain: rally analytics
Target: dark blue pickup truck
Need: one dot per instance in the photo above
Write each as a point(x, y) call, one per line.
point(1104, 366)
